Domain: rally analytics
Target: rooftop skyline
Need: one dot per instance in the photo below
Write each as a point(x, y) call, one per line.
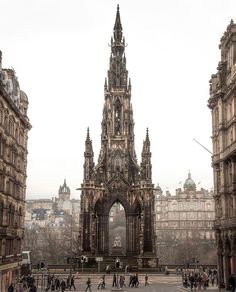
point(61, 56)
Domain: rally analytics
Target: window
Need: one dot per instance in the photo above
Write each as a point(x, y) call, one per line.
point(1, 214)
point(1, 115)
point(11, 127)
point(6, 122)
point(21, 138)
point(1, 146)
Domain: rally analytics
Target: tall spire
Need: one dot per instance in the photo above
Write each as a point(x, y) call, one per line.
point(146, 166)
point(87, 138)
point(147, 136)
point(88, 158)
point(117, 73)
point(118, 26)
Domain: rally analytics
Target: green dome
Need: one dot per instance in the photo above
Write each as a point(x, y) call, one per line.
point(189, 183)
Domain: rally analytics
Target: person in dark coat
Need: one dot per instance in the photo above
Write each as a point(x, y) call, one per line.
point(72, 282)
point(10, 288)
point(232, 283)
point(114, 284)
point(88, 285)
point(33, 288)
point(63, 286)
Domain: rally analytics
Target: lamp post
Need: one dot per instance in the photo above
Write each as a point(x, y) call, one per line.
point(71, 243)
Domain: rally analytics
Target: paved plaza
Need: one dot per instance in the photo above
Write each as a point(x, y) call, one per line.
point(158, 283)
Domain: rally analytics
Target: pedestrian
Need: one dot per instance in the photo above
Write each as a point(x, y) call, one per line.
point(88, 285)
point(103, 282)
point(114, 284)
point(33, 288)
point(72, 283)
point(146, 280)
point(136, 281)
point(10, 288)
point(68, 282)
point(232, 283)
point(191, 281)
point(130, 280)
point(100, 283)
point(63, 285)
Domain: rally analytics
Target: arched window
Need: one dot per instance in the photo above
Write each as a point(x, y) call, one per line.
point(1, 213)
point(117, 117)
point(19, 217)
point(1, 113)
point(9, 215)
point(11, 126)
point(6, 121)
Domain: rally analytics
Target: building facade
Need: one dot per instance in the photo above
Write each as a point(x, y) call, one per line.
point(14, 127)
point(51, 227)
point(45, 212)
point(117, 177)
point(222, 103)
point(184, 225)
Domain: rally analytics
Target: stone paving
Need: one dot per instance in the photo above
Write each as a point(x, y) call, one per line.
point(158, 283)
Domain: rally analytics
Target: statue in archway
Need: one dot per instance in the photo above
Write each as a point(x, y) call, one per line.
point(117, 241)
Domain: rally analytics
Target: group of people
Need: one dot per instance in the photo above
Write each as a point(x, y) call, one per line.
point(200, 280)
point(55, 284)
point(25, 283)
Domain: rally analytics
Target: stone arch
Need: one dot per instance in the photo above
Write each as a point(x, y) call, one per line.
point(134, 223)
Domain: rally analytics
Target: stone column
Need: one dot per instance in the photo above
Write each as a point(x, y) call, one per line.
point(226, 265)
point(129, 234)
point(106, 234)
point(220, 267)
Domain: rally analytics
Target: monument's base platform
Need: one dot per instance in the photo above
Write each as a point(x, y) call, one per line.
point(117, 251)
point(128, 263)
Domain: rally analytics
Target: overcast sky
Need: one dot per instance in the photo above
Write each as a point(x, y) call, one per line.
point(59, 50)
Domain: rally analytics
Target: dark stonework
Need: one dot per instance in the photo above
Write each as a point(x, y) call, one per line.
point(117, 177)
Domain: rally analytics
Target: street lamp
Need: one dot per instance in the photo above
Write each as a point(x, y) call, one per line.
point(71, 243)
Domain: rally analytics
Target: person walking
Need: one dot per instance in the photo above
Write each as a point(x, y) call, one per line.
point(100, 282)
point(114, 284)
point(232, 283)
point(88, 285)
point(146, 280)
point(103, 282)
point(33, 288)
point(72, 283)
point(63, 285)
point(10, 288)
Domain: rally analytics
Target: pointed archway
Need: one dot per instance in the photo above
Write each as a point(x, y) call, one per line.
point(117, 230)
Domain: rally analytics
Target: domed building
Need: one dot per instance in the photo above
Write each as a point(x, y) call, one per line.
point(64, 202)
point(184, 224)
point(63, 194)
point(189, 184)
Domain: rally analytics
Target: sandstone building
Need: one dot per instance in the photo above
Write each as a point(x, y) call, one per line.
point(222, 103)
point(184, 225)
point(51, 212)
point(117, 177)
point(50, 226)
point(14, 127)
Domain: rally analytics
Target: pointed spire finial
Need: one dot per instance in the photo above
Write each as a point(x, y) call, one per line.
point(88, 138)
point(147, 134)
point(118, 26)
point(189, 174)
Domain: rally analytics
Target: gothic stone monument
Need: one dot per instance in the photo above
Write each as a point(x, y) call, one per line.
point(117, 177)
